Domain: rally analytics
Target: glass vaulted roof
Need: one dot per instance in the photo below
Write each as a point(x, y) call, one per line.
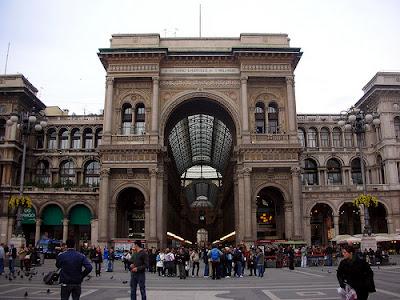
point(201, 145)
point(200, 140)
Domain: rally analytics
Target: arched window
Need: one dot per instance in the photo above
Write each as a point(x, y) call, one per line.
point(348, 139)
point(334, 171)
point(302, 137)
point(88, 138)
point(397, 127)
point(2, 129)
point(63, 139)
point(310, 175)
point(40, 140)
point(51, 139)
point(337, 137)
point(126, 119)
point(76, 139)
point(381, 167)
point(273, 118)
point(67, 172)
point(98, 137)
point(325, 138)
point(259, 115)
point(92, 173)
point(140, 127)
point(43, 172)
point(356, 174)
point(312, 141)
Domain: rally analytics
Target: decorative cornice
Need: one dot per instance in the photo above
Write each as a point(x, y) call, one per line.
point(229, 83)
point(265, 67)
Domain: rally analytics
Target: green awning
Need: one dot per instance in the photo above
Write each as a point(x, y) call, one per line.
point(80, 215)
point(28, 216)
point(52, 215)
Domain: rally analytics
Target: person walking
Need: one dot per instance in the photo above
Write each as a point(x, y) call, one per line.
point(140, 261)
point(111, 258)
point(195, 259)
point(97, 259)
point(303, 257)
point(2, 258)
point(215, 256)
point(70, 263)
point(356, 273)
point(260, 260)
point(11, 253)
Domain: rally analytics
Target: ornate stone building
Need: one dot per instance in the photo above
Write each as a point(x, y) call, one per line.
point(199, 135)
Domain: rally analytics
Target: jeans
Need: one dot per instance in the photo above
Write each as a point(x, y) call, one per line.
point(304, 261)
point(70, 289)
point(1, 266)
point(206, 270)
point(110, 266)
point(195, 263)
point(215, 271)
point(239, 268)
point(260, 270)
point(11, 263)
point(138, 279)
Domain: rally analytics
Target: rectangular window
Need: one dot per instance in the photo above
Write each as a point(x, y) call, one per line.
point(88, 143)
point(76, 143)
point(52, 144)
point(348, 139)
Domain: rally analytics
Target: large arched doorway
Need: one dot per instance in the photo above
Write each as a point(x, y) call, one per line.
point(349, 219)
point(52, 222)
point(270, 214)
point(378, 220)
point(130, 214)
point(322, 230)
point(200, 136)
point(79, 224)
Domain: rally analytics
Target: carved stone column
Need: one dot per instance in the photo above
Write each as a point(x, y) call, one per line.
point(241, 208)
point(288, 220)
point(161, 230)
point(103, 205)
point(292, 122)
point(155, 107)
point(307, 229)
point(336, 224)
point(153, 205)
point(37, 229)
point(236, 203)
point(245, 111)
point(94, 231)
point(65, 229)
point(107, 122)
point(248, 236)
point(389, 221)
point(296, 202)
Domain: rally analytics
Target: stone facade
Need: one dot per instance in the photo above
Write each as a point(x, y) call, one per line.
point(248, 83)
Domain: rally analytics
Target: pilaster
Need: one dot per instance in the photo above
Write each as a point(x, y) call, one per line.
point(103, 205)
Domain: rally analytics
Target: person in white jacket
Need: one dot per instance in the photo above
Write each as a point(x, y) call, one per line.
point(160, 263)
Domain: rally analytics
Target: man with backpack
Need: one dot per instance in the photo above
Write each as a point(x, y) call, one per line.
point(215, 257)
point(71, 263)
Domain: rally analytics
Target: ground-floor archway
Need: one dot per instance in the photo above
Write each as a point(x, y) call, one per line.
point(270, 216)
point(378, 221)
point(322, 229)
point(130, 214)
point(79, 227)
point(52, 222)
point(349, 219)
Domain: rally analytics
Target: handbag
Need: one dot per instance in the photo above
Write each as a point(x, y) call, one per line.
point(348, 293)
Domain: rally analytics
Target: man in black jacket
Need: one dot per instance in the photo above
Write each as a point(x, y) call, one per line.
point(71, 263)
point(355, 272)
point(140, 261)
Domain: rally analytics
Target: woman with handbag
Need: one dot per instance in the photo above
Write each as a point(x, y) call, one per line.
point(356, 273)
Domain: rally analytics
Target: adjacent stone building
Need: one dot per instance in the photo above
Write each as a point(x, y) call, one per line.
point(199, 137)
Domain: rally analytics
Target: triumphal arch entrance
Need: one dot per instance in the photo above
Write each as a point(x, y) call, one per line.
point(200, 140)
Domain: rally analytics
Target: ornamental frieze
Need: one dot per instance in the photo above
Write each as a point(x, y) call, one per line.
point(138, 68)
point(266, 67)
point(122, 157)
point(270, 154)
point(134, 85)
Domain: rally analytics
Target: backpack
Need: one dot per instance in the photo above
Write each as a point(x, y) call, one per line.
point(214, 254)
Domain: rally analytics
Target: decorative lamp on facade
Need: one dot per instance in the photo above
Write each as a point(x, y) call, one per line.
point(27, 123)
point(358, 122)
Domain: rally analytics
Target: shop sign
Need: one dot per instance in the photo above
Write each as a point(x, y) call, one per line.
point(28, 216)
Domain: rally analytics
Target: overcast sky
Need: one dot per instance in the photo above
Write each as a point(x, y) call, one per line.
point(55, 43)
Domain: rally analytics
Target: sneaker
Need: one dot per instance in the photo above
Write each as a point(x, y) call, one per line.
point(227, 276)
point(241, 276)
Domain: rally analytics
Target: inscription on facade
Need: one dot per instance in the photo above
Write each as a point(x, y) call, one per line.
point(199, 70)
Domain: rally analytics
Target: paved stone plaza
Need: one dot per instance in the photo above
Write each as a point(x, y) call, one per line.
point(278, 284)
